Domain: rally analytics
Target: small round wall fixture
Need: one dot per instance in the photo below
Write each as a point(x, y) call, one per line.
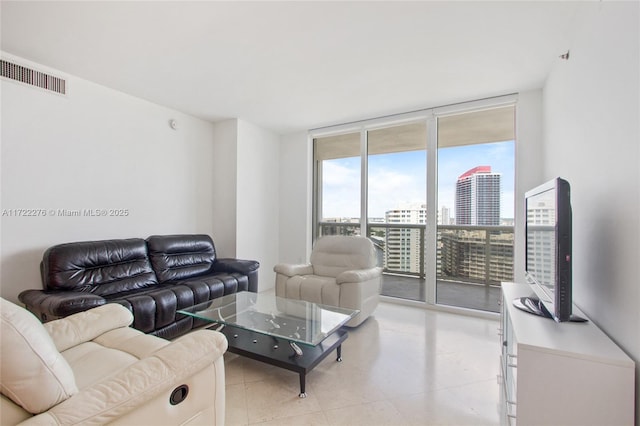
point(173, 124)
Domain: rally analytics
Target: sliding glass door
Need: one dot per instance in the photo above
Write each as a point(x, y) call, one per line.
point(396, 207)
point(434, 191)
point(476, 207)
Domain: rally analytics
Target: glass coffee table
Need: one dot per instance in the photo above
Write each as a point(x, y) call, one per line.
point(291, 334)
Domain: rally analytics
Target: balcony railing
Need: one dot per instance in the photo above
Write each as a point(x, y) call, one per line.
point(475, 254)
point(480, 255)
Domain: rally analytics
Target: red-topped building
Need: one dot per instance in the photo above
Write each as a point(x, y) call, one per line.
point(478, 197)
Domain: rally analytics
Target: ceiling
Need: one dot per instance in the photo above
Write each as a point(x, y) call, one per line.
point(292, 66)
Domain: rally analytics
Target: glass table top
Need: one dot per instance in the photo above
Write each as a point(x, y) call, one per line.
point(293, 320)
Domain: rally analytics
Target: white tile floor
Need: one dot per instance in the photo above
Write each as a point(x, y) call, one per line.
point(403, 366)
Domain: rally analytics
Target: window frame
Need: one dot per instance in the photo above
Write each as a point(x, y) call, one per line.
point(430, 116)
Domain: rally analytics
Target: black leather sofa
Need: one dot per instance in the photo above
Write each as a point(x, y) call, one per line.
point(153, 278)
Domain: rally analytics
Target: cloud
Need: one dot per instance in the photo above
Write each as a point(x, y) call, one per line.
point(389, 189)
point(399, 178)
point(340, 189)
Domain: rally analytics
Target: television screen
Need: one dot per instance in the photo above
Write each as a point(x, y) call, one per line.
point(548, 249)
point(541, 240)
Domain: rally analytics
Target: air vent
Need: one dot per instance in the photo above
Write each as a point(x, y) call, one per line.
point(32, 77)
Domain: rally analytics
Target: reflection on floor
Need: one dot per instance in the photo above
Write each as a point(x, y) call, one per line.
point(452, 293)
point(403, 366)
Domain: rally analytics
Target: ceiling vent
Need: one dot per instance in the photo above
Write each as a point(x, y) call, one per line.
point(32, 77)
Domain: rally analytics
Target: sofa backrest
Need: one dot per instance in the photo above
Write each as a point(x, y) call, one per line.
point(335, 254)
point(100, 267)
point(177, 257)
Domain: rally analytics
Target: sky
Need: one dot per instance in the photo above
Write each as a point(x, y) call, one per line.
point(400, 178)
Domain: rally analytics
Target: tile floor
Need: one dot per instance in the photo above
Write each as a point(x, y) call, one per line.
point(403, 366)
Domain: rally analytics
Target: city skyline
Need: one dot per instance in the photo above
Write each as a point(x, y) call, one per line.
point(400, 178)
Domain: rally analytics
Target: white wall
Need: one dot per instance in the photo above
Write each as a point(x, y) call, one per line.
point(101, 149)
point(258, 200)
point(95, 149)
point(528, 167)
point(225, 186)
point(295, 198)
point(591, 137)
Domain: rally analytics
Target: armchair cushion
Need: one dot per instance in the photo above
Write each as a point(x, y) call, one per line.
point(87, 325)
point(313, 288)
point(358, 276)
point(335, 254)
point(34, 373)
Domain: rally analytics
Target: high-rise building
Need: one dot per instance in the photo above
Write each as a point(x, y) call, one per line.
point(402, 243)
point(478, 197)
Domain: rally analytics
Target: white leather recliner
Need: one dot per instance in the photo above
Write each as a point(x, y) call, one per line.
point(342, 272)
point(92, 368)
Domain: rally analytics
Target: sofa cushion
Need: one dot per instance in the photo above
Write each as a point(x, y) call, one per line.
point(34, 374)
point(100, 267)
point(178, 257)
point(218, 285)
point(155, 308)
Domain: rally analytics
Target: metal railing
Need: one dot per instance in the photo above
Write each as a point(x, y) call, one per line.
point(465, 254)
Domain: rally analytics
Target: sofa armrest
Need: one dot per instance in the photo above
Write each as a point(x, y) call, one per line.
point(139, 383)
point(50, 305)
point(358, 275)
point(235, 265)
point(239, 266)
point(291, 270)
point(86, 326)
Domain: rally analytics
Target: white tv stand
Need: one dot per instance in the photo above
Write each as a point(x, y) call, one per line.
point(561, 373)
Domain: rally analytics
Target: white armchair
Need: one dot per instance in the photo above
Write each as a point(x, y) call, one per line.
point(342, 272)
point(92, 368)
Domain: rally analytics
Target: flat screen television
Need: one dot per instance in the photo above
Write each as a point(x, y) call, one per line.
point(548, 251)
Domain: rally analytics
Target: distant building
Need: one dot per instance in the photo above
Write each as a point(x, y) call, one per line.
point(445, 216)
point(478, 197)
point(339, 228)
point(473, 256)
point(541, 242)
point(404, 253)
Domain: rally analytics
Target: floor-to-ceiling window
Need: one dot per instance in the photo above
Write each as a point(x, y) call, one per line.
point(337, 168)
point(396, 205)
point(433, 190)
point(476, 206)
